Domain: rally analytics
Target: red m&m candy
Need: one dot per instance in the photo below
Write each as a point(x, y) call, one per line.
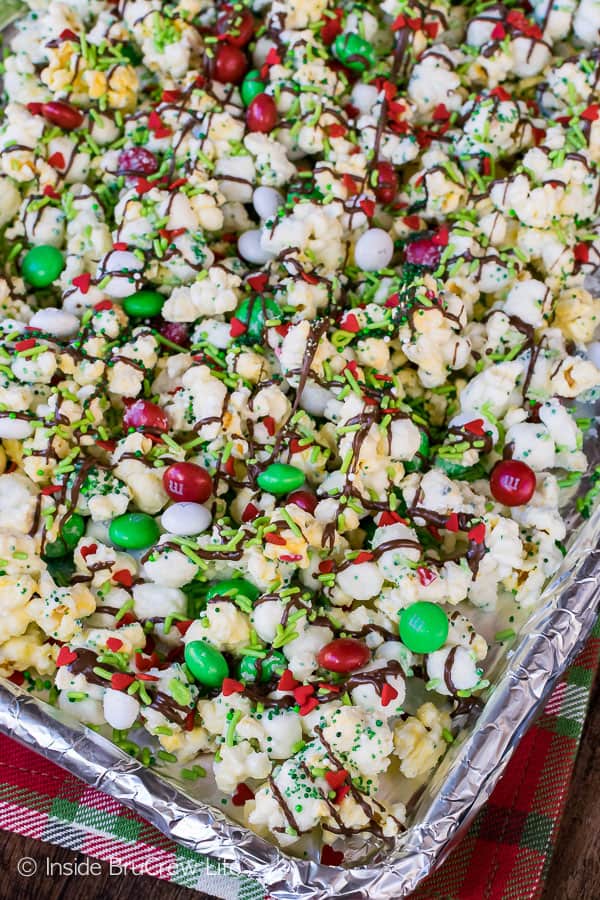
point(262, 114)
point(187, 481)
point(144, 414)
point(304, 499)
point(230, 64)
point(512, 482)
point(343, 655)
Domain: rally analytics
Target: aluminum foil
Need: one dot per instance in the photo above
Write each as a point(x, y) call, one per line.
point(551, 638)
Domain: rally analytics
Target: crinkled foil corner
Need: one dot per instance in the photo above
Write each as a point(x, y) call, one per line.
point(554, 634)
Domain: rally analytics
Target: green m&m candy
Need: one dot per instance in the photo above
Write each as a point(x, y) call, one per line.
point(232, 587)
point(252, 669)
point(70, 534)
point(423, 627)
point(42, 265)
point(354, 52)
point(254, 312)
point(144, 304)
point(281, 478)
point(252, 86)
point(206, 664)
point(133, 531)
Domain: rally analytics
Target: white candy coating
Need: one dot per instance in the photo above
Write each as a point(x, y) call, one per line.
point(14, 428)
point(250, 249)
point(266, 201)
point(186, 518)
point(55, 321)
point(374, 250)
point(120, 709)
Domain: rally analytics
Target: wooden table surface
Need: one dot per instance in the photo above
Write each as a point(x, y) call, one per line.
point(574, 872)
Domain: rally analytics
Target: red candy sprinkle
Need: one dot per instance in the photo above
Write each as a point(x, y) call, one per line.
point(363, 556)
point(287, 682)
point(426, 576)
point(262, 114)
point(89, 550)
point(273, 538)
point(65, 657)
point(242, 794)
point(250, 513)
point(62, 114)
point(187, 481)
point(114, 644)
point(137, 161)
point(120, 681)
point(331, 857)
point(231, 686)
point(581, 253)
point(103, 305)
point(477, 533)
point(336, 779)
point(388, 693)
point(237, 327)
point(27, 344)
point(512, 482)
point(57, 160)
point(452, 523)
point(475, 427)
point(350, 323)
point(302, 693)
point(386, 187)
point(144, 414)
point(498, 32)
point(332, 26)
point(308, 707)
point(259, 281)
point(343, 655)
point(591, 113)
point(230, 64)
point(83, 282)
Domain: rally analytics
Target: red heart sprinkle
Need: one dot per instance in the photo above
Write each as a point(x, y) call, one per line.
point(120, 681)
point(83, 282)
point(336, 779)
point(123, 577)
point(308, 707)
point(251, 512)
point(475, 427)
point(236, 327)
point(331, 857)
point(452, 523)
point(114, 644)
point(259, 281)
point(388, 693)
point(65, 657)
point(89, 550)
point(477, 533)
point(287, 682)
point(231, 686)
point(241, 794)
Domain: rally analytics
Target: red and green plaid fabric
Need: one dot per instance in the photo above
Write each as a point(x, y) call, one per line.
point(503, 856)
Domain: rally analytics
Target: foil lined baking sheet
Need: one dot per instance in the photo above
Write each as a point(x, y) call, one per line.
point(522, 680)
point(548, 642)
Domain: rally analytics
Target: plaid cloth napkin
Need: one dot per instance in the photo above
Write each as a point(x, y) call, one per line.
point(503, 856)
